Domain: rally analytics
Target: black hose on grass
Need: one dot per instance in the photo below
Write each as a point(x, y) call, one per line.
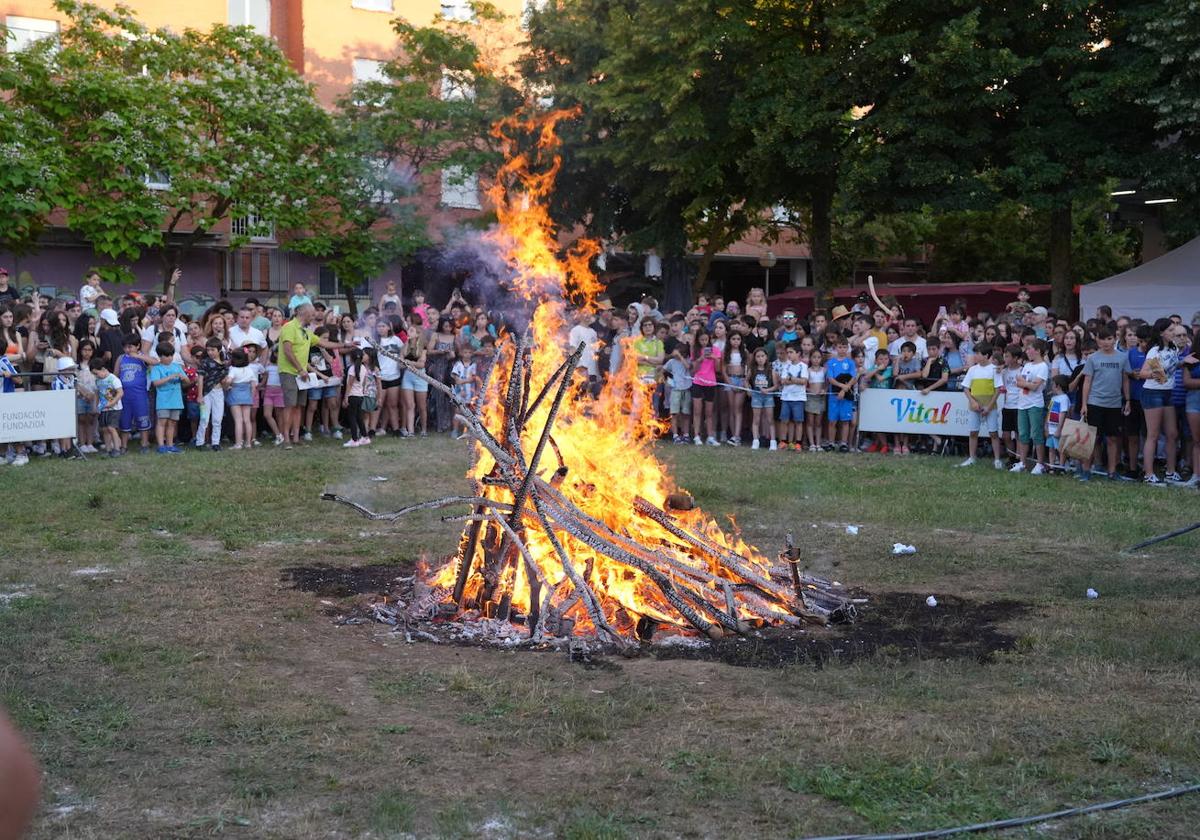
point(1016, 822)
point(1176, 533)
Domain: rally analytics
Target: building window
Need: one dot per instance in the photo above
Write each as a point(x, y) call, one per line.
point(253, 13)
point(157, 179)
point(257, 270)
point(24, 31)
point(457, 86)
point(373, 5)
point(460, 189)
point(457, 10)
point(369, 70)
point(258, 230)
point(329, 285)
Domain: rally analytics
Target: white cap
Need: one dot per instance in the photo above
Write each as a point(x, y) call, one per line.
point(109, 316)
point(1040, 310)
point(66, 363)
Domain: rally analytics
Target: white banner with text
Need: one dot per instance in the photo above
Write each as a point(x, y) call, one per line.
point(911, 412)
point(37, 415)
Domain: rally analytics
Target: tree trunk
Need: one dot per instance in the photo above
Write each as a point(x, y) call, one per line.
point(703, 274)
point(677, 285)
point(1061, 293)
point(820, 243)
point(351, 301)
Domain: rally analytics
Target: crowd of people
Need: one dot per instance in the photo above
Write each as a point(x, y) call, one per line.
point(144, 377)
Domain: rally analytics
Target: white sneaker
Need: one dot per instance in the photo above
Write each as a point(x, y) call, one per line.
point(337, 434)
point(774, 445)
point(970, 462)
point(696, 440)
point(350, 444)
point(755, 444)
point(713, 442)
point(734, 441)
point(1017, 467)
point(308, 436)
point(20, 460)
point(1194, 481)
point(278, 440)
point(1038, 469)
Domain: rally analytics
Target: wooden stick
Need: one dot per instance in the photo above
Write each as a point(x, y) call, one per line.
point(392, 516)
point(1162, 538)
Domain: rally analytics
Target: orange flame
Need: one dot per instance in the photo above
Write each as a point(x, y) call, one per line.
point(606, 442)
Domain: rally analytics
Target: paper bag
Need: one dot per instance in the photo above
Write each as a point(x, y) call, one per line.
point(1077, 439)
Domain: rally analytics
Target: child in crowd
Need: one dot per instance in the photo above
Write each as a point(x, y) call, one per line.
point(814, 405)
point(1060, 410)
point(358, 374)
point(85, 397)
point(272, 392)
point(1010, 397)
point(65, 381)
point(258, 368)
point(679, 380)
point(794, 379)
point(840, 373)
point(299, 297)
point(764, 382)
point(132, 369)
point(465, 378)
point(191, 394)
point(213, 374)
point(983, 385)
point(168, 380)
point(906, 370)
point(108, 404)
point(1031, 408)
point(243, 382)
point(704, 362)
point(880, 376)
point(1105, 401)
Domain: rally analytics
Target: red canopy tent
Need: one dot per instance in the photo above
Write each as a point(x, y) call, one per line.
point(919, 299)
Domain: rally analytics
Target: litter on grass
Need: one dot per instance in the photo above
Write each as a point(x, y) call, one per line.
point(901, 548)
point(931, 601)
point(1092, 594)
point(852, 530)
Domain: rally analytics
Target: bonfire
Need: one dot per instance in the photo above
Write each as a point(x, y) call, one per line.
point(575, 528)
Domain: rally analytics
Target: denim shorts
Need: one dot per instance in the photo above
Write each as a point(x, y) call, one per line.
point(987, 423)
point(411, 382)
point(739, 381)
point(1156, 398)
point(758, 400)
point(792, 411)
point(1193, 401)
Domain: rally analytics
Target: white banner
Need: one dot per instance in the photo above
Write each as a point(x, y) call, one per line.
point(37, 415)
point(909, 412)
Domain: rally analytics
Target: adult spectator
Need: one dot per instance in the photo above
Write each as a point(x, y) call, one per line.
point(8, 295)
point(583, 333)
point(788, 332)
point(166, 324)
point(908, 332)
point(295, 344)
point(244, 332)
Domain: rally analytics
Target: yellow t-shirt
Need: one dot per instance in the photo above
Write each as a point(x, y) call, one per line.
point(301, 340)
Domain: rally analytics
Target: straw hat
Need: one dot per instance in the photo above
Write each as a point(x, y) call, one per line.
point(838, 312)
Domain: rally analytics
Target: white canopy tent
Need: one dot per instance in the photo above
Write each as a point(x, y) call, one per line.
point(1168, 285)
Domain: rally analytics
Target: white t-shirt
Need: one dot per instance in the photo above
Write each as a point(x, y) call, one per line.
point(989, 379)
point(587, 335)
point(794, 370)
point(1169, 359)
point(389, 368)
point(1029, 398)
point(922, 346)
point(238, 336)
point(152, 333)
point(242, 375)
point(87, 295)
point(1012, 393)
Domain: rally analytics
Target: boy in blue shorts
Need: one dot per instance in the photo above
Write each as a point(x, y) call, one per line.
point(793, 381)
point(840, 373)
point(135, 403)
point(168, 380)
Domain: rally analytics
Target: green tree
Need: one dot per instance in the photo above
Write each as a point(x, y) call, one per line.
point(654, 160)
point(162, 135)
point(435, 109)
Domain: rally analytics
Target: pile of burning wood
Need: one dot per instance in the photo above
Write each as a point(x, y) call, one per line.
point(562, 542)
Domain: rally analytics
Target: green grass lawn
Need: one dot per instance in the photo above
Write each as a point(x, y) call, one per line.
point(183, 691)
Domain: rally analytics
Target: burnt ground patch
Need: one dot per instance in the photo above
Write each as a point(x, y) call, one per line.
point(893, 625)
point(342, 582)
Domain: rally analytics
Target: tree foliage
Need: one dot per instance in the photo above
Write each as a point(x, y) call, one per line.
point(158, 136)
